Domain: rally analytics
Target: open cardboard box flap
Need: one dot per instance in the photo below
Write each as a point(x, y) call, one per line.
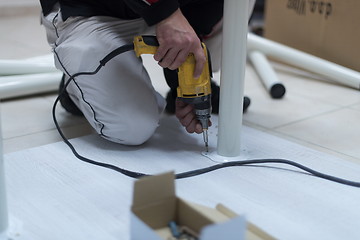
point(155, 204)
point(150, 190)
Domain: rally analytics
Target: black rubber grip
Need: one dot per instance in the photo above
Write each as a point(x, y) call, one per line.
point(150, 40)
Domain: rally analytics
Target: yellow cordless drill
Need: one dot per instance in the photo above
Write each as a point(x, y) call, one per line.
point(190, 90)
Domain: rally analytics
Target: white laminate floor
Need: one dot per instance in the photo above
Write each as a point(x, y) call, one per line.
point(314, 113)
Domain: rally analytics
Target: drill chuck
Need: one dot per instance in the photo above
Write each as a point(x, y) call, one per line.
point(202, 106)
point(203, 115)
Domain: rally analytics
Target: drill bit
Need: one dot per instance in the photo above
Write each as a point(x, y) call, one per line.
point(205, 135)
point(203, 115)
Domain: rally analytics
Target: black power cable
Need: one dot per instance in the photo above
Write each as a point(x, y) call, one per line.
point(187, 174)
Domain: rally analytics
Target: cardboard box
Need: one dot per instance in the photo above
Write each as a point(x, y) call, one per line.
point(155, 204)
point(324, 28)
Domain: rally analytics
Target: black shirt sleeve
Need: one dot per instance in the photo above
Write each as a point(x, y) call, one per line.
point(202, 14)
point(153, 11)
point(47, 6)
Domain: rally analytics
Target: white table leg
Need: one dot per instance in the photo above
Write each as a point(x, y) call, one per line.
point(3, 202)
point(20, 85)
point(332, 71)
point(267, 74)
point(235, 29)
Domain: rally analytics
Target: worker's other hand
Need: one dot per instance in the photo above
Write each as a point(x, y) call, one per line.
point(177, 39)
point(185, 113)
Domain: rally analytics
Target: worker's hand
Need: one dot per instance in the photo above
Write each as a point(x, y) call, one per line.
point(177, 39)
point(185, 113)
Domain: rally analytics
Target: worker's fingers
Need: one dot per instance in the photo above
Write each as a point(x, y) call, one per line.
point(173, 52)
point(182, 109)
point(195, 126)
point(198, 127)
point(169, 59)
point(185, 114)
point(191, 128)
point(161, 52)
point(191, 124)
point(180, 58)
point(200, 62)
point(187, 119)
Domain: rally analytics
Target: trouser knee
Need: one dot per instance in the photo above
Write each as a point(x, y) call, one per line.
point(131, 131)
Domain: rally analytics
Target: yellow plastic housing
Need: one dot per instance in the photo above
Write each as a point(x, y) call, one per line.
point(190, 87)
point(140, 47)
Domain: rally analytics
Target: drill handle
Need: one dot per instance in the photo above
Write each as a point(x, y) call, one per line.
point(145, 45)
point(189, 87)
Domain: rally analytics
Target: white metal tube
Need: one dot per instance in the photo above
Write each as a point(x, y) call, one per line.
point(14, 67)
point(20, 85)
point(297, 58)
point(235, 28)
point(267, 74)
point(3, 203)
